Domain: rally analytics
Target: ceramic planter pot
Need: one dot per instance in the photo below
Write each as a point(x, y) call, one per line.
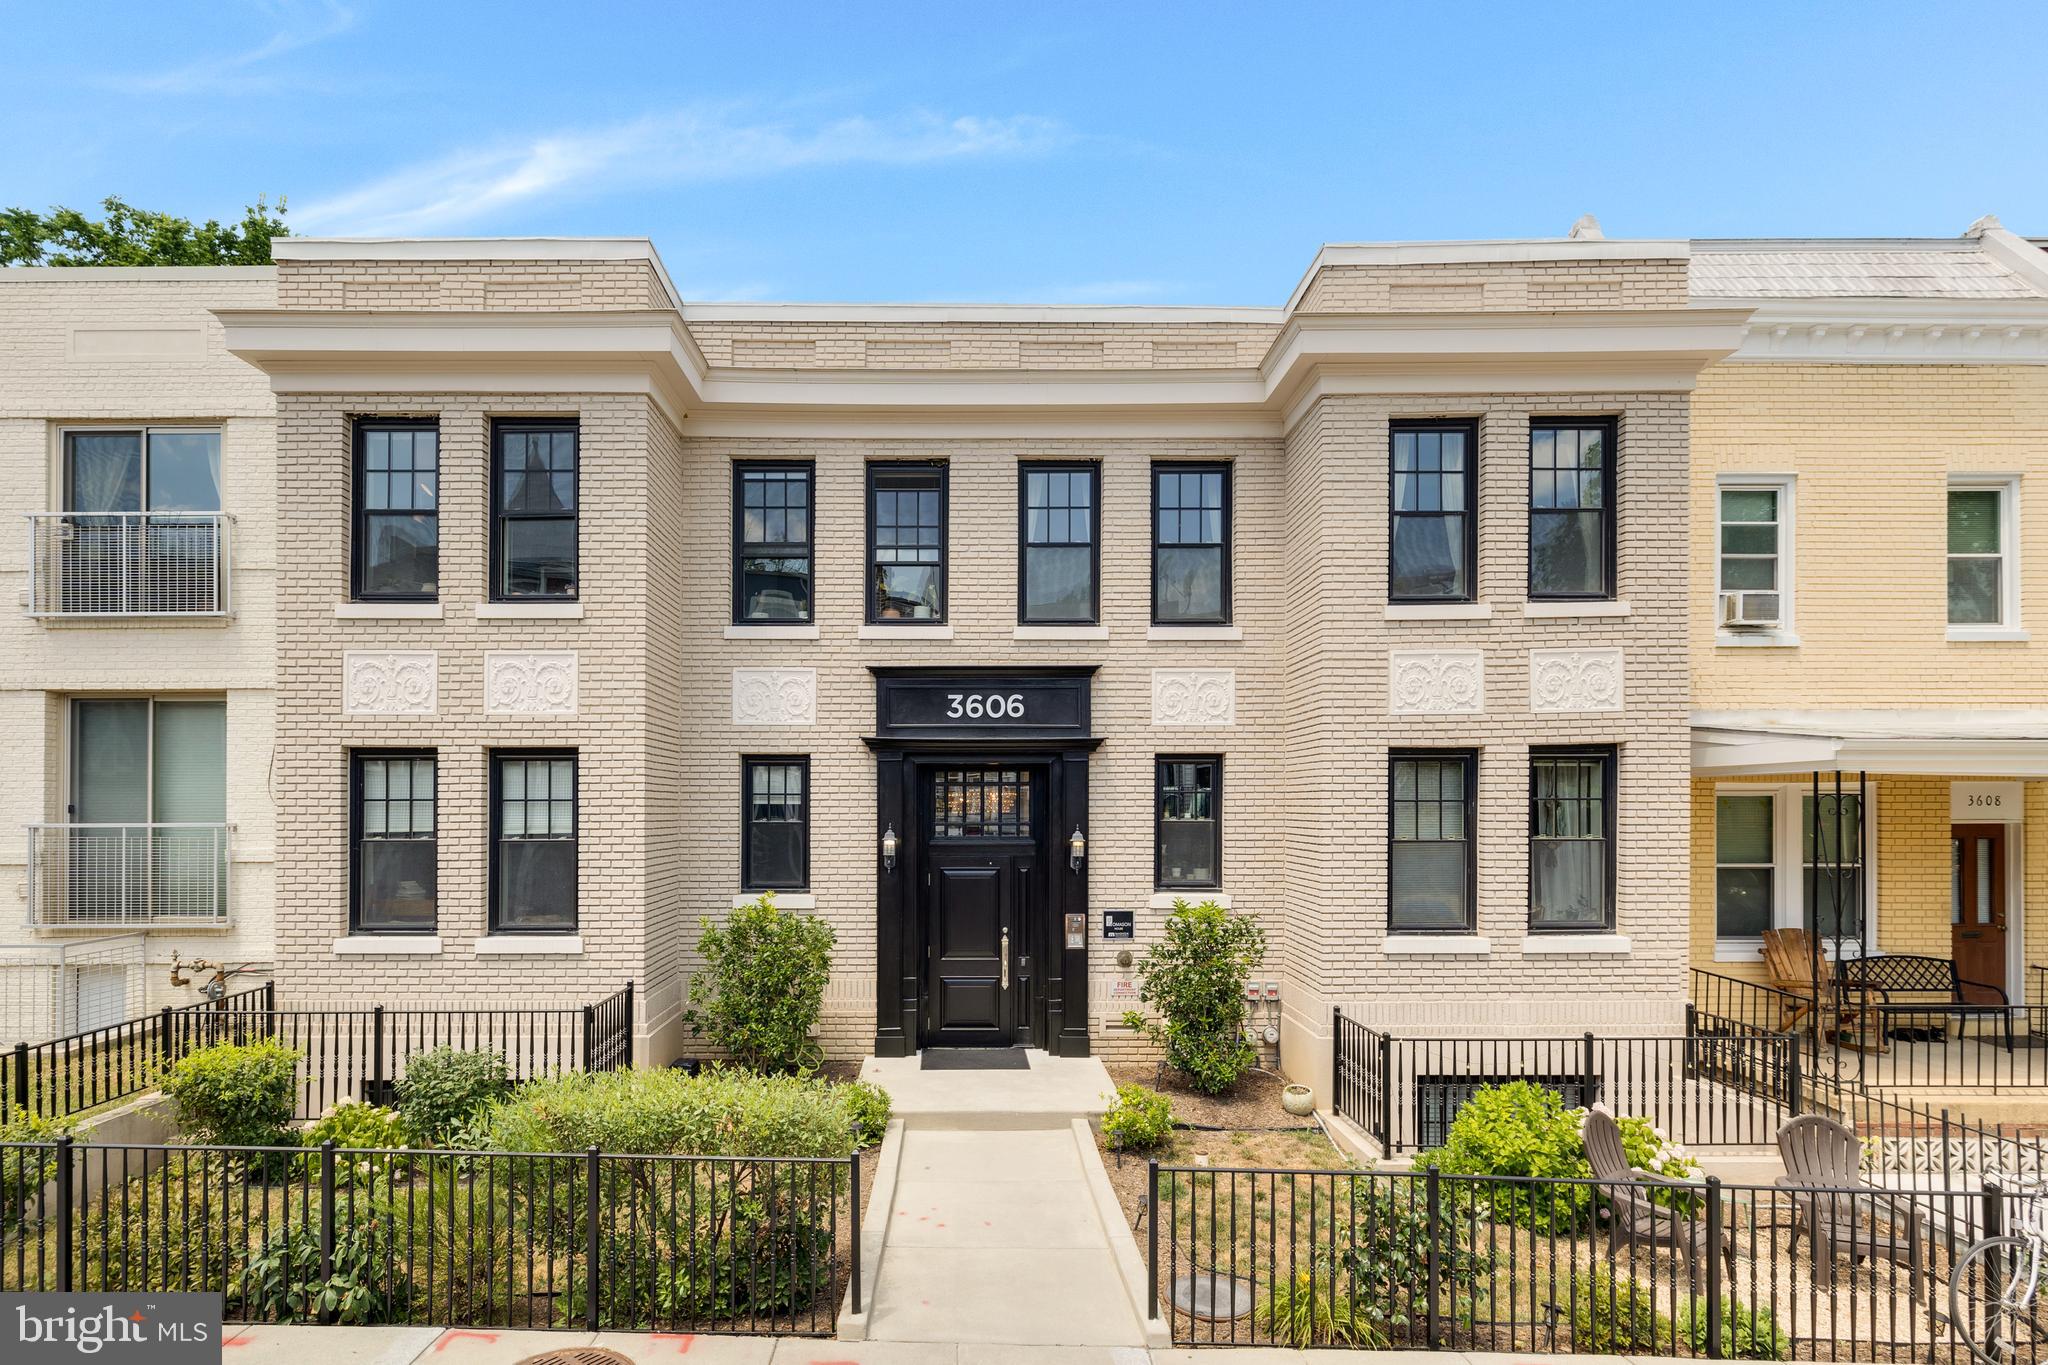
point(1298, 1100)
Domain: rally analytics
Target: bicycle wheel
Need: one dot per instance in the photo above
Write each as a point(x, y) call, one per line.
point(1994, 1302)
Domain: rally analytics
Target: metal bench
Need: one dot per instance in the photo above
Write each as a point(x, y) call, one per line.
point(1895, 984)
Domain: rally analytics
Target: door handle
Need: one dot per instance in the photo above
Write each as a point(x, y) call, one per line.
point(1006, 959)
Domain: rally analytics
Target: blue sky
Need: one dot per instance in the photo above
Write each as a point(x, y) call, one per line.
point(1034, 152)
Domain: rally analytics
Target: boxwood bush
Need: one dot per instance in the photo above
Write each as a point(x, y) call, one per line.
point(1138, 1119)
point(445, 1090)
point(762, 985)
point(1194, 976)
point(237, 1094)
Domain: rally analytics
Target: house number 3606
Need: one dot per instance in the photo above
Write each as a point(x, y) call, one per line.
point(994, 706)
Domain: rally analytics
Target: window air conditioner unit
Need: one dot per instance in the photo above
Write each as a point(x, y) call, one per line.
point(1750, 610)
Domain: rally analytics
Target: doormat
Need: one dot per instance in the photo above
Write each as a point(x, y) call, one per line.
point(973, 1059)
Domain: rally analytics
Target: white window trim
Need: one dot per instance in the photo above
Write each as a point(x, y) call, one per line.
point(2007, 486)
point(1788, 871)
point(1786, 486)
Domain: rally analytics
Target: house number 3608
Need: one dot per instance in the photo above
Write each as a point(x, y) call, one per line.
point(994, 706)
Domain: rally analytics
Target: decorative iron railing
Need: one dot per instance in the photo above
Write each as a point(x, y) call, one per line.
point(116, 564)
point(90, 876)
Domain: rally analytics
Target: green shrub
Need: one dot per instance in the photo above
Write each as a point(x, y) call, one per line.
point(1746, 1333)
point(1523, 1129)
point(723, 1112)
point(353, 1124)
point(443, 1090)
point(236, 1094)
point(1194, 977)
point(1310, 1309)
point(25, 1170)
point(1613, 1315)
point(1384, 1248)
point(1138, 1120)
point(867, 1107)
point(282, 1282)
point(762, 986)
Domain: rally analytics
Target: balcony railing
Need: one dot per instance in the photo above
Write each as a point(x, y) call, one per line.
point(163, 876)
point(115, 564)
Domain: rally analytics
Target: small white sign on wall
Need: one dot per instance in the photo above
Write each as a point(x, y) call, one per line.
point(1986, 802)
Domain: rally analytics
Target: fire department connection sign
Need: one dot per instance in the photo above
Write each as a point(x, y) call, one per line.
point(1986, 802)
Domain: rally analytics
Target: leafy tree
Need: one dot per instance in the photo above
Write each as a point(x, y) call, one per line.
point(133, 236)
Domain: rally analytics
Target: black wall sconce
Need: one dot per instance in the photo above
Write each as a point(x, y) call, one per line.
point(1077, 849)
point(889, 849)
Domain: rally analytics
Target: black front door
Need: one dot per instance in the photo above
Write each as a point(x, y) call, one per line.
point(983, 904)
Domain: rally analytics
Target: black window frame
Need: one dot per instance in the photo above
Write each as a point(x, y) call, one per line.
point(500, 428)
point(1093, 469)
point(1227, 469)
point(748, 762)
point(744, 549)
point(945, 473)
point(1609, 756)
point(1159, 766)
point(495, 761)
point(359, 519)
point(356, 759)
point(1469, 428)
point(1610, 520)
point(1470, 760)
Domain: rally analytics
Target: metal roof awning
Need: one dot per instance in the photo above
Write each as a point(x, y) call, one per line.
point(1940, 743)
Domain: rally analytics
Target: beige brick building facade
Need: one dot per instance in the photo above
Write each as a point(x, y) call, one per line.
point(1707, 366)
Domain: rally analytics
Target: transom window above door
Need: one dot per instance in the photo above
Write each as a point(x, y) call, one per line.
point(981, 803)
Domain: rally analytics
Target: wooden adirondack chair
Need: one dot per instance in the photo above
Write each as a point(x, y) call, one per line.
point(1788, 957)
point(1632, 1216)
point(1836, 1210)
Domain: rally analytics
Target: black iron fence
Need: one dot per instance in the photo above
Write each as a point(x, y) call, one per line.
point(349, 1054)
point(1718, 1084)
point(1415, 1259)
point(587, 1240)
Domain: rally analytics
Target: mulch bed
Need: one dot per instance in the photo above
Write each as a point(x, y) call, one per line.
point(1253, 1103)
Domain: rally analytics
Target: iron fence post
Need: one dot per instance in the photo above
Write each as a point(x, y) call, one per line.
point(852, 1170)
point(1386, 1114)
point(629, 1067)
point(590, 1251)
point(327, 1209)
point(1337, 1060)
point(1714, 1235)
point(65, 1220)
point(1432, 1199)
point(1795, 1079)
point(589, 1035)
point(1152, 1240)
point(1994, 1260)
point(1944, 1150)
point(376, 1095)
point(270, 997)
point(21, 1079)
point(163, 1036)
point(1587, 1096)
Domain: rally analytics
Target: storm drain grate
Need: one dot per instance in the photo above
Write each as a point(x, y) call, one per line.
point(578, 1355)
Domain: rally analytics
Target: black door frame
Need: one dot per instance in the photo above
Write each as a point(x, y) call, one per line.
point(1056, 1016)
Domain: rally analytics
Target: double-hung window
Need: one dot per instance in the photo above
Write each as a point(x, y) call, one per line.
point(398, 509)
point(392, 874)
point(1571, 509)
point(1571, 839)
point(1831, 835)
point(775, 852)
point(1190, 544)
point(533, 841)
point(1188, 832)
point(906, 543)
point(533, 492)
point(1432, 554)
point(1429, 854)
point(1745, 876)
point(1057, 544)
point(772, 528)
point(1784, 861)
point(1753, 555)
point(1982, 587)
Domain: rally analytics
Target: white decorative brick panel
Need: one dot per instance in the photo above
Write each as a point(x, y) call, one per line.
point(521, 683)
point(1194, 696)
point(1430, 682)
point(389, 683)
point(774, 696)
point(1574, 680)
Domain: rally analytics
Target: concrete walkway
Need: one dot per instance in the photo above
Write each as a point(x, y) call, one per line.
point(429, 1346)
point(994, 1238)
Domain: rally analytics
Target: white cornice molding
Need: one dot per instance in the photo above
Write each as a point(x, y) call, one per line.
point(1897, 331)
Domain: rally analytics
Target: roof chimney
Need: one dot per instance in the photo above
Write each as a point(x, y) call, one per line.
point(1587, 229)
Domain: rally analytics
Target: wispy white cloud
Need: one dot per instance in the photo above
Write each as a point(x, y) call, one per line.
point(239, 73)
point(677, 147)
